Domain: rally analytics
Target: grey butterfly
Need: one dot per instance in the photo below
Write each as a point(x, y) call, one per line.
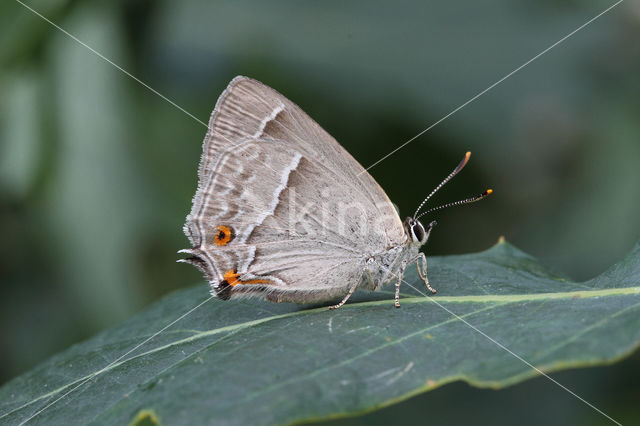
point(283, 211)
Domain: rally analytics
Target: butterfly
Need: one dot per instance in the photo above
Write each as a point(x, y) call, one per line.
point(283, 211)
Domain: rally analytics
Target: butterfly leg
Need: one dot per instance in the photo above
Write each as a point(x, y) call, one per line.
point(351, 290)
point(396, 300)
point(423, 274)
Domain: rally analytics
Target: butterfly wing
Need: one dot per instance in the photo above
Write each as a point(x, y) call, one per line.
point(281, 208)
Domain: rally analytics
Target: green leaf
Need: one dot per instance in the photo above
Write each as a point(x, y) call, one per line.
point(246, 362)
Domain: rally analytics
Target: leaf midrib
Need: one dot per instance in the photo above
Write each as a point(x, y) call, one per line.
point(500, 299)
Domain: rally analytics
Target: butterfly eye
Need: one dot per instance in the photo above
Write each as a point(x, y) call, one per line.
point(223, 236)
point(418, 232)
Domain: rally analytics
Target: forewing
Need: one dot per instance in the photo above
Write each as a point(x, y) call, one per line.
point(334, 165)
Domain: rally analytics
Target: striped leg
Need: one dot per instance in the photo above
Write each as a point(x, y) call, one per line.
point(424, 271)
point(400, 279)
point(351, 290)
point(397, 297)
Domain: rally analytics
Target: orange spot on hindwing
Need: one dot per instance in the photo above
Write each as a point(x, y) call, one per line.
point(231, 278)
point(224, 235)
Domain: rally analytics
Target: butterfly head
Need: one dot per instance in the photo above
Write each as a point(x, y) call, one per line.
point(416, 231)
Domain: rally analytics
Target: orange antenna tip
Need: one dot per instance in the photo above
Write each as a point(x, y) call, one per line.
point(488, 192)
point(455, 171)
point(462, 163)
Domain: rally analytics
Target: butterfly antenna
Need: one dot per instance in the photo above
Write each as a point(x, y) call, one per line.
point(485, 194)
point(447, 179)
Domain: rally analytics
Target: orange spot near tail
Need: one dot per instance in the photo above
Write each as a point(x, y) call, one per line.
point(231, 276)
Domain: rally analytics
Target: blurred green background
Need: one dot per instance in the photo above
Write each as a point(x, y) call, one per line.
point(97, 172)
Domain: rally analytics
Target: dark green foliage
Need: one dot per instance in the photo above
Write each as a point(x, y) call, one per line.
point(247, 362)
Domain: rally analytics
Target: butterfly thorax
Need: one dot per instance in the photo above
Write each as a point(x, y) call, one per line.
point(384, 267)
